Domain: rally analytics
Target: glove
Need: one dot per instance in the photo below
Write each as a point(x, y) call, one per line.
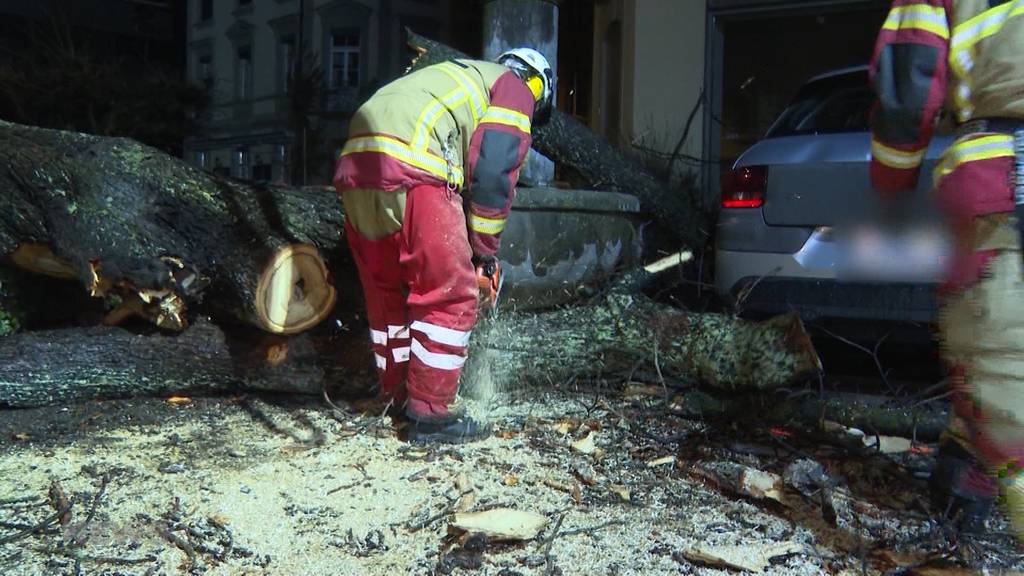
point(488, 277)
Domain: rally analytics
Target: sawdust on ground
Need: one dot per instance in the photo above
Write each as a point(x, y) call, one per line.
point(263, 485)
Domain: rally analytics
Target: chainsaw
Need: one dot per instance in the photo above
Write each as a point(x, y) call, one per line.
point(489, 281)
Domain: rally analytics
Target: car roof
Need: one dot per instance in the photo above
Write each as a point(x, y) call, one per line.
point(839, 72)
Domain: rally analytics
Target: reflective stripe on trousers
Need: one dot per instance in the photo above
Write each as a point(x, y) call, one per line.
point(420, 291)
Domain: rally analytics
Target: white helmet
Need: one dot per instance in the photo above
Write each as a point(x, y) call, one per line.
point(533, 68)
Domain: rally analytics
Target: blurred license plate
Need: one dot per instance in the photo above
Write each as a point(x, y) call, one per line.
point(917, 253)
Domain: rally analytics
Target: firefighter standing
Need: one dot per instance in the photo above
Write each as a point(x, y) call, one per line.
point(970, 54)
point(427, 178)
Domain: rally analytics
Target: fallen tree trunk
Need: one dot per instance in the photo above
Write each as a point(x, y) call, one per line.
point(39, 368)
point(610, 333)
point(132, 223)
point(59, 366)
point(572, 144)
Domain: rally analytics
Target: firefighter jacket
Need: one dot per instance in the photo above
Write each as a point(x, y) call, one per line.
point(464, 124)
point(965, 54)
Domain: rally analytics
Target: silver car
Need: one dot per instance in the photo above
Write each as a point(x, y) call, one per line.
point(800, 227)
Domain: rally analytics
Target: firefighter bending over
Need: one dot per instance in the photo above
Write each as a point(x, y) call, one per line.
point(427, 178)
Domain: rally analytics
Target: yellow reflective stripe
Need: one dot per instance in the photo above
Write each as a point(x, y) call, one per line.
point(471, 87)
point(894, 158)
point(431, 114)
point(466, 87)
point(918, 17)
point(401, 151)
point(507, 116)
point(962, 100)
point(483, 225)
point(969, 33)
point(984, 148)
point(428, 127)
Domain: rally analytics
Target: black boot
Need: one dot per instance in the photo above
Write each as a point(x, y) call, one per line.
point(450, 429)
point(959, 486)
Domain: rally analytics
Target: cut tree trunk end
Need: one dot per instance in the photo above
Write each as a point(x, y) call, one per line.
point(155, 236)
point(294, 292)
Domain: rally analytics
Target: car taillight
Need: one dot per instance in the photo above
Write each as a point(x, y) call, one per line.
point(744, 187)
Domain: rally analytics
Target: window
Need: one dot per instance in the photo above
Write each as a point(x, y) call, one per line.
point(204, 70)
point(344, 60)
point(831, 105)
point(243, 73)
point(240, 163)
point(205, 10)
point(287, 61)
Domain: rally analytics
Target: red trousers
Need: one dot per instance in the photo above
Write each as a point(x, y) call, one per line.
point(420, 289)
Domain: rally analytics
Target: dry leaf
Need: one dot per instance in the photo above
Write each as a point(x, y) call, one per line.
point(586, 444)
point(179, 400)
point(510, 480)
point(561, 486)
point(505, 434)
point(576, 493)
point(502, 523)
point(21, 436)
point(661, 461)
point(752, 558)
point(622, 491)
point(218, 520)
point(563, 427)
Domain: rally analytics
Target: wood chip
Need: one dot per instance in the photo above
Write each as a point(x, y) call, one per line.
point(586, 444)
point(888, 444)
point(752, 558)
point(466, 502)
point(22, 436)
point(758, 484)
point(502, 523)
point(465, 493)
point(661, 461)
point(634, 390)
point(179, 400)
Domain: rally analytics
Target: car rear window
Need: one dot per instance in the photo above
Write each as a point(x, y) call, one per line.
point(830, 105)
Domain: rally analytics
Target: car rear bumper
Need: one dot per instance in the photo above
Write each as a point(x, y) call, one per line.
point(817, 298)
point(773, 269)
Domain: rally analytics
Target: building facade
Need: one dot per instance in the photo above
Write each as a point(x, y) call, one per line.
point(285, 75)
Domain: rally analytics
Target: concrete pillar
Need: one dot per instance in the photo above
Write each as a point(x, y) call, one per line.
point(534, 24)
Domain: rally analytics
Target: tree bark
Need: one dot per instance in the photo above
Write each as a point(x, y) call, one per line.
point(572, 144)
point(122, 218)
point(610, 333)
point(872, 414)
point(620, 329)
point(44, 367)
